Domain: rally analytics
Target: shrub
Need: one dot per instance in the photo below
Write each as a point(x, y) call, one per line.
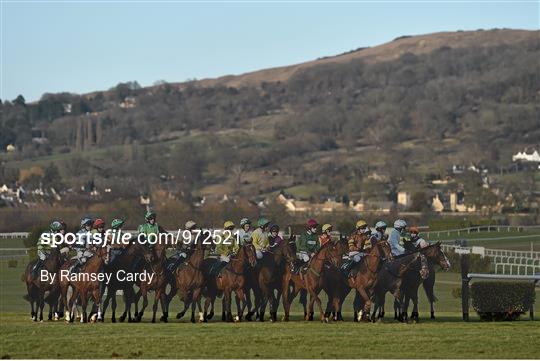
point(498, 301)
point(12, 263)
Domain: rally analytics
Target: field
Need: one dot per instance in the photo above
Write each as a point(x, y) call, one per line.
point(445, 337)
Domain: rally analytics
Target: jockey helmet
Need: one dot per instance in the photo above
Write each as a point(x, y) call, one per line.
point(56, 226)
point(361, 224)
point(228, 224)
point(150, 215)
point(117, 223)
point(400, 224)
point(311, 223)
point(274, 228)
point(263, 222)
point(98, 223)
point(326, 227)
point(86, 221)
point(244, 221)
point(190, 224)
point(380, 225)
point(414, 229)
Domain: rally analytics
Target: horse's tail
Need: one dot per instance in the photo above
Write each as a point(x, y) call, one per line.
point(430, 294)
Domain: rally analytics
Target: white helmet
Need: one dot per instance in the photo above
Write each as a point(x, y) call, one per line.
point(400, 223)
point(244, 221)
point(190, 225)
point(380, 224)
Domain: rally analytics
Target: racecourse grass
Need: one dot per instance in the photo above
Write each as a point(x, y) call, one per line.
point(445, 337)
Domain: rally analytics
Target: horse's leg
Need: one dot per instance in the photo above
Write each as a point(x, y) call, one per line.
point(303, 301)
point(249, 304)
point(157, 297)
point(428, 285)
point(106, 304)
point(98, 302)
point(144, 293)
point(194, 297)
point(227, 295)
point(183, 295)
point(41, 305)
point(314, 296)
point(397, 296)
point(367, 303)
point(404, 305)
point(414, 315)
point(241, 296)
point(164, 307)
point(84, 304)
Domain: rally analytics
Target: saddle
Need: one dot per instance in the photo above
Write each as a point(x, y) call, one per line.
point(174, 263)
point(299, 266)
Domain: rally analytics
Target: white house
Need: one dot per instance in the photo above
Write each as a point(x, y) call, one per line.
point(523, 156)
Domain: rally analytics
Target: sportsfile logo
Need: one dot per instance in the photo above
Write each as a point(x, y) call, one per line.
point(114, 237)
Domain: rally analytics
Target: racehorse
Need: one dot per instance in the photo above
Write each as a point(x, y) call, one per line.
point(130, 258)
point(367, 273)
point(230, 279)
point(390, 278)
point(36, 288)
point(83, 288)
point(269, 275)
point(154, 265)
point(412, 280)
point(189, 282)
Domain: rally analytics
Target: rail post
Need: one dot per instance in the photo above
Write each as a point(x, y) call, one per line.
point(464, 263)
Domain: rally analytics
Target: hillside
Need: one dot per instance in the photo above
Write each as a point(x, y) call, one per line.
point(364, 124)
point(417, 45)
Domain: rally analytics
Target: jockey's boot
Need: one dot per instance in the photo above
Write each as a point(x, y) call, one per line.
point(36, 268)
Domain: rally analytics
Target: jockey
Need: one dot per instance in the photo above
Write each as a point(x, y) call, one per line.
point(259, 237)
point(225, 251)
point(307, 244)
point(357, 244)
point(380, 233)
point(83, 246)
point(150, 229)
point(44, 249)
point(118, 246)
point(400, 226)
point(99, 227)
point(414, 241)
point(274, 239)
point(244, 234)
point(326, 236)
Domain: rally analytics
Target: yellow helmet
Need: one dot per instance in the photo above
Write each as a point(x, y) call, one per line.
point(361, 224)
point(326, 227)
point(228, 224)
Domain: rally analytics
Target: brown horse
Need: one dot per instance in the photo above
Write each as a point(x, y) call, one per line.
point(189, 282)
point(269, 274)
point(390, 279)
point(155, 266)
point(86, 286)
point(366, 276)
point(36, 287)
point(231, 279)
point(127, 261)
point(411, 280)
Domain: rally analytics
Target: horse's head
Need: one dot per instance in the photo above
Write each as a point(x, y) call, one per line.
point(103, 253)
point(329, 253)
point(250, 256)
point(384, 249)
point(435, 254)
point(286, 251)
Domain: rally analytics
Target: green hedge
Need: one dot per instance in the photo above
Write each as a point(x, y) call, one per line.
point(498, 301)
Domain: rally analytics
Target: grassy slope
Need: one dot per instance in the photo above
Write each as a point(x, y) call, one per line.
point(446, 337)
